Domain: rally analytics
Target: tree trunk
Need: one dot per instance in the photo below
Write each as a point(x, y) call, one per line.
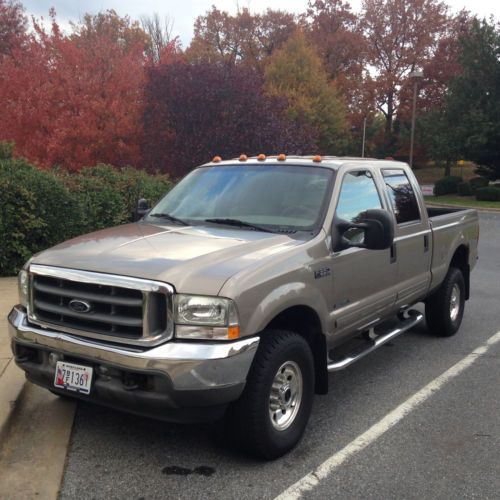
point(390, 113)
point(447, 168)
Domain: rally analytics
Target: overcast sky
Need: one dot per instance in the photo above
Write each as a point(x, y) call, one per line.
point(184, 12)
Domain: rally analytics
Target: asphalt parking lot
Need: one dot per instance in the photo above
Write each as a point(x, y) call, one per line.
point(448, 446)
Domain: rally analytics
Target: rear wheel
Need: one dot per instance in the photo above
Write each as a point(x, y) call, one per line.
point(444, 309)
point(271, 415)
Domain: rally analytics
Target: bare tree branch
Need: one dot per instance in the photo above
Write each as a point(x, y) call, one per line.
point(160, 33)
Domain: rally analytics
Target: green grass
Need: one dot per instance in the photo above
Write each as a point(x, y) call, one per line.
point(430, 174)
point(463, 201)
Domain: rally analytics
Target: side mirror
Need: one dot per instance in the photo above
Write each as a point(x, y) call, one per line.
point(141, 209)
point(374, 231)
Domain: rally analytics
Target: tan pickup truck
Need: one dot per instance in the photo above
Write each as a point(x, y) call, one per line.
point(241, 289)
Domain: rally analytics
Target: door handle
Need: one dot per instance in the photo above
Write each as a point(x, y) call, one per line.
point(394, 253)
point(426, 243)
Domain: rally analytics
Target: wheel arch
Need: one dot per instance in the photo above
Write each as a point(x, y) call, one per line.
point(460, 260)
point(305, 321)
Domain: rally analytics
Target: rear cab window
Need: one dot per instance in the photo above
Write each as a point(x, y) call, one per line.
point(401, 195)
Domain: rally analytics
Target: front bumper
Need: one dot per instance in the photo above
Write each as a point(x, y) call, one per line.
point(176, 381)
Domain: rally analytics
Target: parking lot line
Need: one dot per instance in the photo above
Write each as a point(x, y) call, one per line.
point(311, 480)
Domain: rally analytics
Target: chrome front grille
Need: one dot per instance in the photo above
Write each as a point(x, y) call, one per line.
point(101, 306)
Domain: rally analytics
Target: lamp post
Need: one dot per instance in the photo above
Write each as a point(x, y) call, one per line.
point(364, 137)
point(415, 76)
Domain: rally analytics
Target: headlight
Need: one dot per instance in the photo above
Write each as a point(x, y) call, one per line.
point(202, 317)
point(23, 287)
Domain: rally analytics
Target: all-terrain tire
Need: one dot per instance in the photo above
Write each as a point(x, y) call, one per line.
point(444, 309)
point(263, 421)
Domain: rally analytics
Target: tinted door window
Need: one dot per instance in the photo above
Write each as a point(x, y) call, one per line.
point(402, 196)
point(357, 195)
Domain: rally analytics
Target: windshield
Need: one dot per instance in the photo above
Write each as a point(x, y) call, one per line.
point(277, 196)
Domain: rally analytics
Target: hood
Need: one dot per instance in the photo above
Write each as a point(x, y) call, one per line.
point(194, 259)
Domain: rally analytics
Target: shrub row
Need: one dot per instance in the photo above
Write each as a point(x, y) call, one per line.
point(478, 182)
point(490, 193)
point(447, 185)
point(40, 208)
point(464, 189)
point(478, 186)
point(454, 184)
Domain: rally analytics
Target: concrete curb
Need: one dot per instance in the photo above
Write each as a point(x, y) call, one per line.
point(35, 447)
point(12, 379)
point(12, 383)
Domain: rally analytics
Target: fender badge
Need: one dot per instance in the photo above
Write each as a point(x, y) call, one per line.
point(322, 273)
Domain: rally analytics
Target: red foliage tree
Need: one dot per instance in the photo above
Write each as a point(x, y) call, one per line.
point(195, 111)
point(244, 38)
point(401, 36)
point(335, 31)
point(75, 101)
point(439, 70)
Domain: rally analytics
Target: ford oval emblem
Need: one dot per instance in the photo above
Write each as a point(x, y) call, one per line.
point(79, 306)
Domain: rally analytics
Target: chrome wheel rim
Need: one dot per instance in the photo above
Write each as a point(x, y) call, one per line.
point(455, 302)
point(286, 395)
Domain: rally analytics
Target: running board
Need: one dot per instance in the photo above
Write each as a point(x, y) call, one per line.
point(414, 317)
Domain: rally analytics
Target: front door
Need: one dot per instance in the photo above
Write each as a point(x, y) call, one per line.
point(364, 281)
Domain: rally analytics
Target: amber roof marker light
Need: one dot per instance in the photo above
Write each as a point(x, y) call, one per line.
point(317, 159)
point(216, 159)
point(281, 157)
point(261, 157)
point(243, 158)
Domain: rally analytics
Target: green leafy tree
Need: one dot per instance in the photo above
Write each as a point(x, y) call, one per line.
point(473, 103)
point(295, 72)
point(437, 131)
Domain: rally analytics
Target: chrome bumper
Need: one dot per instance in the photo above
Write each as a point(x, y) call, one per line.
point(189, 366)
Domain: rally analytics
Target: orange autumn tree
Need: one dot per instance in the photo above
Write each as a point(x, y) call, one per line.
point(295, 72)
point(76, 100)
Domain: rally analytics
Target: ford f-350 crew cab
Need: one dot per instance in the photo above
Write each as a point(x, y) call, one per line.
point(241, 289)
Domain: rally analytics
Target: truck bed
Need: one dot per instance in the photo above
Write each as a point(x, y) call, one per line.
point(451, 227)
point(438, 211)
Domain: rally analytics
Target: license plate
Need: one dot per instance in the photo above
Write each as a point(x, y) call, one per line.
point(73, 377)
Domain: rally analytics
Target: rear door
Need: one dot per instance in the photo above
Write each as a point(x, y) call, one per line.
point(364, 281)
point(412, 243)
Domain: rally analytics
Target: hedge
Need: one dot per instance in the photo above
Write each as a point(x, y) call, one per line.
point(40, 208)
point(464, 189)
point(447, 185)
point(107, 196)
point(490, 193)
point(478, 182)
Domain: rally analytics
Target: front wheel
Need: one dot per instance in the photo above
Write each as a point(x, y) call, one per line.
point(444, 309)
point(272, 413)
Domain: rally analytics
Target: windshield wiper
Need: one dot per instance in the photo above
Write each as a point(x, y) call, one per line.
point(169, 217)
point(239, 223)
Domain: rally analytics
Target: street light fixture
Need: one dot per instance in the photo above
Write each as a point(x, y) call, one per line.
point(364, 137)
point(415, 76)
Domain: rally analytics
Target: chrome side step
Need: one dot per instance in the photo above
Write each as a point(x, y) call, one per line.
point(414, 317)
